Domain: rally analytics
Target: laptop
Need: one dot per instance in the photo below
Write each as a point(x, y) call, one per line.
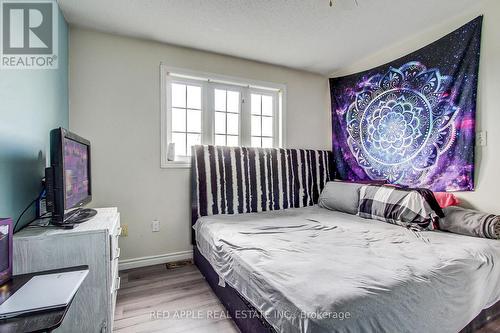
point(43, 292)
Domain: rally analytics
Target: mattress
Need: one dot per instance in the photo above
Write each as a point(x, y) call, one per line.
point(315, 270)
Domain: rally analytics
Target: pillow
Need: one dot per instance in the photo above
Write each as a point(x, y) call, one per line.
point(445, 199)
point(412, 208)
point(470, 222)
point(341, 196)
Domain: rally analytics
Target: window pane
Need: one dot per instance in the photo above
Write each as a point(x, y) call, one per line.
point(233, 123)
point(220, 100)
point(220, 122)
point(255, 141)
point(179, 120)
point(193, 121)
point(220, 140)
point(267, 126)
point(180, 143)
point(267, 105)
point(192, 139)
point(178, 95)
point(233, 101)
point(267, 142)
point(255, 104)
point(194, 97)
point(256, 125)
point(232, 140)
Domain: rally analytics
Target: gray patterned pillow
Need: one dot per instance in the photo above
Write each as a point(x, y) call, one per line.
point(406, 207)
point(470, 222)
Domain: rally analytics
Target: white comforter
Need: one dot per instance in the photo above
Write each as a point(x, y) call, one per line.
point(315, 270)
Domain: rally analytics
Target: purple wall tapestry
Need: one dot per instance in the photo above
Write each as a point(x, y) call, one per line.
point(411, 122)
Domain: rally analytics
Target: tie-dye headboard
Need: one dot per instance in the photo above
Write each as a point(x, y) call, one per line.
point(232, 180)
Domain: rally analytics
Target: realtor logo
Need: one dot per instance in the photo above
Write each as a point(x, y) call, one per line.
point(29, 34)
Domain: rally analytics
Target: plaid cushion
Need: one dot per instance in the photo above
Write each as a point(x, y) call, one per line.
point(408, 208)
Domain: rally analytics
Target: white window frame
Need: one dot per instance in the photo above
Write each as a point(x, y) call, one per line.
point(204, 113)
point(275, 116)
point(209, 81)
point(211, 105)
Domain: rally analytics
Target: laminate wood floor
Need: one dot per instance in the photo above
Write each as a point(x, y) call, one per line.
point(493, 327)
point(157, 299)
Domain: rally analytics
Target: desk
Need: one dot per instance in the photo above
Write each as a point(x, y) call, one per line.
point(45, 321)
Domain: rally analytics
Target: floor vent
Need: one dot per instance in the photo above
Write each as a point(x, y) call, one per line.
point(178, 264)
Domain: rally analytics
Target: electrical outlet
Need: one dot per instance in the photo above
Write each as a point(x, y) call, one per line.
point(482, 138)
point(124, 232)
point(155, 226)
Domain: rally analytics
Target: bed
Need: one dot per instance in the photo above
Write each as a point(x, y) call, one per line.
point(280, 263)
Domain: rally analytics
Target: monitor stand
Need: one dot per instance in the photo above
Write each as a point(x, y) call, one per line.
point(79, 215)
point(74, 217)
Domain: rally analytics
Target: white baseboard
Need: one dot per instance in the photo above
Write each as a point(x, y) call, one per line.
point(154, 260)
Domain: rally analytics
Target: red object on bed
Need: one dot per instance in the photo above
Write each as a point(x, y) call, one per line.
point(445, 199)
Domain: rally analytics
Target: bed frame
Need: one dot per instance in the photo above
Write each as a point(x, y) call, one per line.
point(235, 180)
point(230, 180)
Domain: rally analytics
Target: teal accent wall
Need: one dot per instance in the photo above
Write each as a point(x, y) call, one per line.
point(32, 102)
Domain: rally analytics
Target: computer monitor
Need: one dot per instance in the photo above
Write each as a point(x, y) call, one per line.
point(68, 179)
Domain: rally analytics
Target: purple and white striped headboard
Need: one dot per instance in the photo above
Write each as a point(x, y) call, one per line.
point(233, 180)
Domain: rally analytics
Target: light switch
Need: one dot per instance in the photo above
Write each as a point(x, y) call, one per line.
point(155, 226)
point(482, 138)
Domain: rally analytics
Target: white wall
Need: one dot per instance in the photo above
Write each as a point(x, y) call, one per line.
point(115, 103)
point(487, 176)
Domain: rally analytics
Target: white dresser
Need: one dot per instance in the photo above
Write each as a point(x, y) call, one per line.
point(93, 243)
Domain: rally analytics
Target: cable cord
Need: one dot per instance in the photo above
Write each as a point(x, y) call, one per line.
point(28, 207)
point(24, 211)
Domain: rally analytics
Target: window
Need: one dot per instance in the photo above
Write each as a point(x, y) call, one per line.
point(202, 108)
point(186, 116)
point(262, 130)
point(227, 106)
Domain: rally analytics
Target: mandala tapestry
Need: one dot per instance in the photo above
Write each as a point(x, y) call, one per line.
point(411, 122)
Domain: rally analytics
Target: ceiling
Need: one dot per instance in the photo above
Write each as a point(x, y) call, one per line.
point(303, 34)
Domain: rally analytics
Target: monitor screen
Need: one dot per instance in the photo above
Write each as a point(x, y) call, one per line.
point(76, 172)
